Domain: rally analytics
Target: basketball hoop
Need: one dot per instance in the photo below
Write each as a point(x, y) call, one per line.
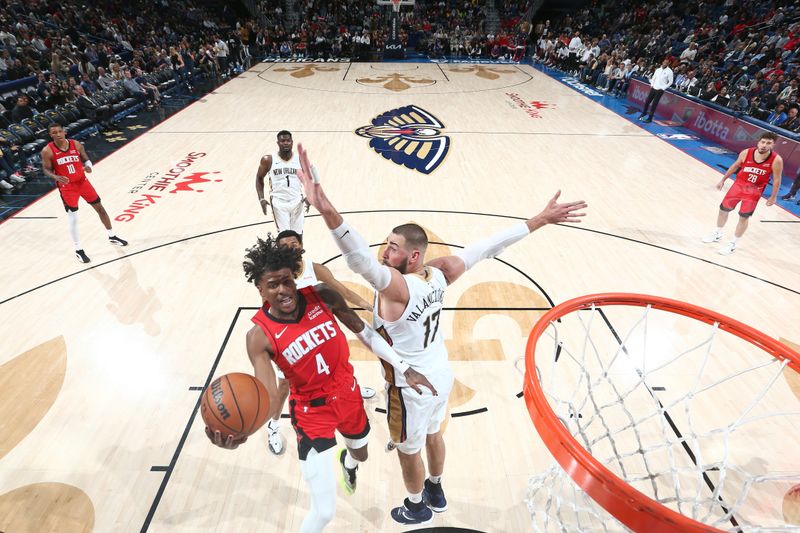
point(621, 414)
point(395, 4)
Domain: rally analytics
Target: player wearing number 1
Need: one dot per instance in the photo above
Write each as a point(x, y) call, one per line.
point(754, 166)
point(65, 161)
point(407, 312)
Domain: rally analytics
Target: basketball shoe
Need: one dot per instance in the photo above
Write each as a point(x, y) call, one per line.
point(412, 513)
point(81, 256)
point(367, 392)
point(275, 440)
point(433, 496)
point(714, 237)
point(728, 249)
point(116, 240)
point(348, 474)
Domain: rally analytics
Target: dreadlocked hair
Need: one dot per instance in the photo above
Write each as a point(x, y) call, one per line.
point(267, 256)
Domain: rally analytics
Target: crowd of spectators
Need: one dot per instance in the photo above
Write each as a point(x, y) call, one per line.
point(69, 51)
point(738, 54)
point(359, 29)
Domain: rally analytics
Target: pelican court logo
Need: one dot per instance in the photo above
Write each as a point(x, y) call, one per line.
point(408, 136)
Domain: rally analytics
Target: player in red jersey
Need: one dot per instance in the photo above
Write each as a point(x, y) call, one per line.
point(297, 330)
point(65, 161)
point(755, 166)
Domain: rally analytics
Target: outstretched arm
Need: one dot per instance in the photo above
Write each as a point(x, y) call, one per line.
point(553, 213)
point(325, 276)
point(388, 281)
point(370, 338)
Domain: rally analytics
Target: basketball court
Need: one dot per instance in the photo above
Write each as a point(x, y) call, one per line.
point(103, 364)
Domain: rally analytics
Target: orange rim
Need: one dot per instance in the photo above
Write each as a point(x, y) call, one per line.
point(626, 504)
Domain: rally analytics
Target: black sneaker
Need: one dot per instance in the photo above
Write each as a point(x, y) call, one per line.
point(412, 513)
point(433, 496)
point(81, 256)
point(787, 197)
point(348, 474)
point(116, 240)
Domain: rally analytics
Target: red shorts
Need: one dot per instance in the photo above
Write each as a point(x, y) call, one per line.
point(315, 420)
point(749, 196)
point(74, 190)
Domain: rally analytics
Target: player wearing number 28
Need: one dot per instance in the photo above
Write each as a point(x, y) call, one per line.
point(755, 166)
point(407, 311)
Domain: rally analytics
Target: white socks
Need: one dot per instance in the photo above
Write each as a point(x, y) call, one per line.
point(72, 222)
point(435, 479)
point(349, 462)
point(110, 232)
point(415, 498)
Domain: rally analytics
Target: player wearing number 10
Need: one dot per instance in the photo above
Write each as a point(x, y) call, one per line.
point(65, 161)
point(407, 312)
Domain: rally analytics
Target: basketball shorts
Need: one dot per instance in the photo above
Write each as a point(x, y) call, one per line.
point(74, 190)
point(748, 196)
point(315, 420)
point(412, 417)
point(288, 214)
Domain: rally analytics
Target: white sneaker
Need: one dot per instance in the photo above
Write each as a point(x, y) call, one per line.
point(16, 178)
point(275, 441)
point(728, 249)
point(367, 392)
point(714, 237)
point(6, 185)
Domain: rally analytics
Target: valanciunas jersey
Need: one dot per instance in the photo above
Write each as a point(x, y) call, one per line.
point(283, 181)
point(312, 352)
point(755, 176)
point(308, 278)
point(416, 335)
point(67, 162)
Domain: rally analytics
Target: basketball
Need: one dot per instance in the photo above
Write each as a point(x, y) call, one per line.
point(235, 404)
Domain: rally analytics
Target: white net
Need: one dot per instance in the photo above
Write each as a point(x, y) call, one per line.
point(693, 417)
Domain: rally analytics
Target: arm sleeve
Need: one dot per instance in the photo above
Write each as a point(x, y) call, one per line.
point(381, 348)
point(493, 245)
point(358, 257)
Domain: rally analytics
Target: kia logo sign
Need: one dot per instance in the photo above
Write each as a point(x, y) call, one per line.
point(397, 46)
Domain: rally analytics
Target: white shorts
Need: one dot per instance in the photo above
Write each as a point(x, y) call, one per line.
point(412, 417)
point(288, 214)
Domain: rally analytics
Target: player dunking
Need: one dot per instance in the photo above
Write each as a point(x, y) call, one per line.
point(407, 311)
point(285, 192)
point(65, 161)
point(297, 330)
point(757, 165)
point(311, 275)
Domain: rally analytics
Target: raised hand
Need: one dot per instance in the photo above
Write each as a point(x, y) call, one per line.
point(556, 213)
point(415, 380)
point(308, 177)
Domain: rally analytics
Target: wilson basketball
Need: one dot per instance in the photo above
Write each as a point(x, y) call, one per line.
point(235, 404)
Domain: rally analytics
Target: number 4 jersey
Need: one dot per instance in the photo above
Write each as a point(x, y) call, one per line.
point(416, 335)
point(311, 351)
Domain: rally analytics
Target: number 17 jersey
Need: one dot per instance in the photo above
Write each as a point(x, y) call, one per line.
point(416, 335)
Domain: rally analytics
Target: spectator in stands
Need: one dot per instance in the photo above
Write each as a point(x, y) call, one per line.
point(104, 80)
point(722, 97)
point(222, 51)
point(153, 94)
point(688, 55)
point(792, 122)
point(100, 113)
point(88, 85)
point(22, 109)
point(132, 87)
point(778, 116)
point(709, 92)
point(739, 102)
point(7, 153)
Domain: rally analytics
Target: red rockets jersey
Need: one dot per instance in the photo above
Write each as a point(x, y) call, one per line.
point(312, 352)
point(753, 175)
point(67, 162)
